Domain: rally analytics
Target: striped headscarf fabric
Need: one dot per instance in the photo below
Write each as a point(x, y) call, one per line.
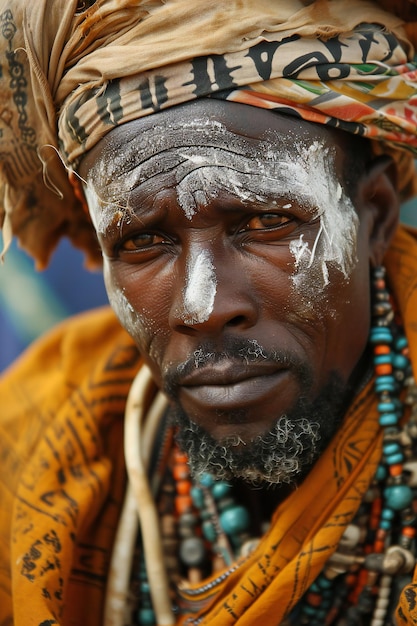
point(73, 70)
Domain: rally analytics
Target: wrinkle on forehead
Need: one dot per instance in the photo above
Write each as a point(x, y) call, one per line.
point(201, 158)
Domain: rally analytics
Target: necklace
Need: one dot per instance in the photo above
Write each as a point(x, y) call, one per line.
point(362, 581)
point(204, 528)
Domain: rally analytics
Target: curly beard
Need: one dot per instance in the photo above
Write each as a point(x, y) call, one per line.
point(284, 455)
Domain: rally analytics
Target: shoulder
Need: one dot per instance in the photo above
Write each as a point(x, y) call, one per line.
point(88, 356)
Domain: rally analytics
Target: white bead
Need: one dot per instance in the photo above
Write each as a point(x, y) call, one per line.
point(350, 537)
point(380, 614)
point(382, 603)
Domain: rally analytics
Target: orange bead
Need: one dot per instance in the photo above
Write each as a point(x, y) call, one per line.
point(408, 531)
point(379, 547)
point(314, 599)
point(350, 580)
point(383, 369)
point(183, 487)
point(183, 504)
point(380, 283)
point(396, 470)
point(375, 513)
point(381, 534)
point(382, 350)
point(180, 472)
point(180, 457)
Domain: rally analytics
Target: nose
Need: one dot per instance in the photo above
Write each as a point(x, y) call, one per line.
point(211, 296)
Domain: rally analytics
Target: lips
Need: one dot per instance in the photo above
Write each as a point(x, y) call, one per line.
point(231, 386)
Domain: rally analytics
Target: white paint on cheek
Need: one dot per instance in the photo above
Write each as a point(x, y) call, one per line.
point(129, 318)
point(200, 290)
point(336, 240)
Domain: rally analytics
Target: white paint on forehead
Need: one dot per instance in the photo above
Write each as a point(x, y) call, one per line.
point(200, 288)
point(104, 214)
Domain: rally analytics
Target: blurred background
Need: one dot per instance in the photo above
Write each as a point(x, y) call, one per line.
point(32, 302)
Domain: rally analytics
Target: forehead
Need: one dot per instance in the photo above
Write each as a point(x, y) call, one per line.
point(210, 125)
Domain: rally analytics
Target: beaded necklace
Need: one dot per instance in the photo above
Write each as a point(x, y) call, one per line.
point(204, 528)
point(362, 581)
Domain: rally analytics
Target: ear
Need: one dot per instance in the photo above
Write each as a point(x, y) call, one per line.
point(378, 203)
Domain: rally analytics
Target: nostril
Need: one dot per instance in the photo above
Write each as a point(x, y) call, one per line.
point(238, 320)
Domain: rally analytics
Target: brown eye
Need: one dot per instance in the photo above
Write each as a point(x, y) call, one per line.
point(267, 220)
point(141, 241)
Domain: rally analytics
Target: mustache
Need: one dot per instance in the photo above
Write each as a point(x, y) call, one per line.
point(240, 350)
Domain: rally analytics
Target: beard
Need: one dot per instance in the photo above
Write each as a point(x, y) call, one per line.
point(281, 456)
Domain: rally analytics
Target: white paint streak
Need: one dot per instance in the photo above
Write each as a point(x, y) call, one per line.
point(200, 289)
point(335, 243)
point(104, 215)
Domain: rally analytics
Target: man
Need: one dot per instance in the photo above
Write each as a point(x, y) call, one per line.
point(243, 252)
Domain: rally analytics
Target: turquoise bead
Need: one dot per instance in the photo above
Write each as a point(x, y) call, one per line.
point(395, 459)
point(385, 524)
point(381, 359)
point(385, 379)
point(398, 496)
point(209, 531)
point(324, 583)
point(310, 610)
point(400, 362)
point(381, 473)
point(235, 520)
point(391, 448)
point(145, 587)
point(401, 343)
point(146, 617)
point(388, 419)
point(220, 490)
point(380, 334)
point(207, 480)
point(387, 514)
point(197, 497)
point(386, 407)
point(384, 383)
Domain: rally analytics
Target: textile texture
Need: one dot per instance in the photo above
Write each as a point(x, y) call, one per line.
point(72, 71)
point(62, 480)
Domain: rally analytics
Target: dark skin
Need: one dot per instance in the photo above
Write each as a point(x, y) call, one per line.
point(231, 256)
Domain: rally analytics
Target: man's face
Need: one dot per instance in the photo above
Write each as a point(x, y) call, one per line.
point(236, 260)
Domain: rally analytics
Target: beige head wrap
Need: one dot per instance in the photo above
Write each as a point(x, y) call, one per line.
point(72, 70)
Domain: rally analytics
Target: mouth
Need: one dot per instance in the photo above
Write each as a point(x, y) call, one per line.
point(231, 387)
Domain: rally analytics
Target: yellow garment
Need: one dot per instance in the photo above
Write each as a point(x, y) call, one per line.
point(62, 480)
point(72, 72)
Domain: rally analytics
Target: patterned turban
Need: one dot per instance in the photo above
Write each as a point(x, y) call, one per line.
point(72, 70)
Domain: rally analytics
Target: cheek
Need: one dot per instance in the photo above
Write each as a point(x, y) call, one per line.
point(130, 306)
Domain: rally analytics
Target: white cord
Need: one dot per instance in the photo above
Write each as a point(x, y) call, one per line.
point(137, 403)
point(139, 508)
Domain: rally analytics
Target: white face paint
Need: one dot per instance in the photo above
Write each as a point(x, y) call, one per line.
point(202, 159)
point(335, 244)
point(200, 289)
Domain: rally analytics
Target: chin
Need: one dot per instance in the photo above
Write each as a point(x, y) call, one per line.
point(281, 456)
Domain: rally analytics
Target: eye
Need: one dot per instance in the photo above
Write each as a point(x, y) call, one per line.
point(265, 221)
point(141, 241)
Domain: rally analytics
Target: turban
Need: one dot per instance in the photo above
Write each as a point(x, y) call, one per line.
point(72, 70)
